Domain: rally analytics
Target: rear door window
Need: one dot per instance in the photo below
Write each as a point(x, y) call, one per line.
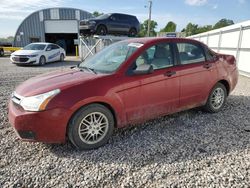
point(190, 53)
point(55, 47)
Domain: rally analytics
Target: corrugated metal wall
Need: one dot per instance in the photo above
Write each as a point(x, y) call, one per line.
point(234, 40)
point(33, 27)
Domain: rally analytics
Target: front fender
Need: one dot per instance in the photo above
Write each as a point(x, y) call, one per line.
point(115, 104)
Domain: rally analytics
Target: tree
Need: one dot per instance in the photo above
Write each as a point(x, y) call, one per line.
point(9, 39)
point(96, 13)
point(170, 27)
point(204, 28)
point(144, 28)
point(223, 23)
point(191, 29)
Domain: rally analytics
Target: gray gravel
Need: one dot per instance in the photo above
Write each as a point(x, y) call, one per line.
point(187, 149)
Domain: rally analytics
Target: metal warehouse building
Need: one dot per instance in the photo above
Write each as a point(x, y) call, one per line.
point(56, 25)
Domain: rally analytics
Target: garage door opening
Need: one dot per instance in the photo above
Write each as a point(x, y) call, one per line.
point(66, 41)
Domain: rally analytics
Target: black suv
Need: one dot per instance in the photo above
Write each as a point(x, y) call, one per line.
point(111, 24)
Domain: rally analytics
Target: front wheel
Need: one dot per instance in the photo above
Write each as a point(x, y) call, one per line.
point(1, 53)
point(101, 30)
point(42, 61)
point(216, 99)
point(61, 57)
point(91, 127)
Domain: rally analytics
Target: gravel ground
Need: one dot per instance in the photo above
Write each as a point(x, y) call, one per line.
point(187, 149)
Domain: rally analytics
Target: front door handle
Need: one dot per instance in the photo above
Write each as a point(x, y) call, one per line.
point(170, 73)
point(207, 65)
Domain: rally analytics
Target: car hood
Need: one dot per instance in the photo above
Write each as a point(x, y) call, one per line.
point(26, 52)
point(91, 19)
point(55, 80)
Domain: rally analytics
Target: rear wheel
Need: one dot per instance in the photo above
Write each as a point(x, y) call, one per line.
point(101, 30)
point(91, 127)
point(216, 99)
point(42, 60)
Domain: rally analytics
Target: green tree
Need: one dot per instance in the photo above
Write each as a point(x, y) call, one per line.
point(144, 28)
point(96, 13)
point(204, 28)
point(191, 29)
point(170, 27)
point(9, 39)
point(223, 23)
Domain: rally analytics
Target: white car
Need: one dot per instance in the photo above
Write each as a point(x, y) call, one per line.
point(38, 54)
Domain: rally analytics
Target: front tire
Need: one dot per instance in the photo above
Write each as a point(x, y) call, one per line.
point(216, 99)
point(61, 57)
point(91, 127)
point(42, 61)
point(101, 30)
point(1, 53)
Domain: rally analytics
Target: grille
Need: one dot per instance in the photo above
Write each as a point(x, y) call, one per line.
point(20, 58)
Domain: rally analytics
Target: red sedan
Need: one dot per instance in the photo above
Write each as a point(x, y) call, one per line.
point(128, 82)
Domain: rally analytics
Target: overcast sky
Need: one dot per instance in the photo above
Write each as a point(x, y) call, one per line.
point(201, 12)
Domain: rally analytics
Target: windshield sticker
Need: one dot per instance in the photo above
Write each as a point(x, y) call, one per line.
point(136, 45)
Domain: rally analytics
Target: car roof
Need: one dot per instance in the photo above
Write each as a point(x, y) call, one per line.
point(147, 40)
point(46, 43)
point(122, 14)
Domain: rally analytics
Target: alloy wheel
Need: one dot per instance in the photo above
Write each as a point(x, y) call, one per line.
point(217, 98)
point(93, 128)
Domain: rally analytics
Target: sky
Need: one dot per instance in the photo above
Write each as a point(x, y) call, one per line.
point(201, 12)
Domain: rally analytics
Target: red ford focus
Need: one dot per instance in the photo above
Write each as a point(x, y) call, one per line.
point(128, 82)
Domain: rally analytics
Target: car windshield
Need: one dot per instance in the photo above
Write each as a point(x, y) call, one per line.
point(110, 58)
point(35, 47)
point(104, 16)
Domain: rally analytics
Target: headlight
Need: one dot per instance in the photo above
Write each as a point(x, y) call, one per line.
point(38, 102)
point(92, 22)
point(35, 55)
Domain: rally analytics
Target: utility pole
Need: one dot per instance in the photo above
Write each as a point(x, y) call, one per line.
point(149, 17)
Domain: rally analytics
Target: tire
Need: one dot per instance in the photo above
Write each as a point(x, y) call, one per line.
point(42, 61)
point(101, 30)
point(216, 99)
point(1, 53)
point(132, 32)
point(61, 57)
point(85, 126)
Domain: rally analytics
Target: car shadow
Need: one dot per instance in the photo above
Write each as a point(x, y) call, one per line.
point(188, 135)
point(66, 63)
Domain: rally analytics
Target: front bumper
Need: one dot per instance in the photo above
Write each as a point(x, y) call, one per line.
point(47, 126)
point(87, 29)
point(24, 60)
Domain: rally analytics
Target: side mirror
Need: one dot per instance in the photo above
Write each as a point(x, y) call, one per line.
point(48, 49)
point(143, 69)
point(112, 18)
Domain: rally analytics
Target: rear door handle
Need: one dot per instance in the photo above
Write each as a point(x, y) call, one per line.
point(170, 73)
point(207, 65)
